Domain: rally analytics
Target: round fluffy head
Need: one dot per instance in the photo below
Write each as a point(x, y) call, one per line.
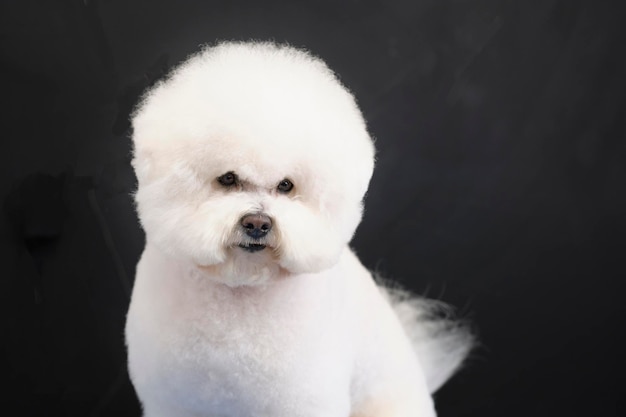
point(248, 131)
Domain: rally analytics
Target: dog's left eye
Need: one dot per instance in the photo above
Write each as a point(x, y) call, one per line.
point(228, 179)
point(285, 186)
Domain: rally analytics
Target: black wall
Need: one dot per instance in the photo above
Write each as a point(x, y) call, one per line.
point(500, 186)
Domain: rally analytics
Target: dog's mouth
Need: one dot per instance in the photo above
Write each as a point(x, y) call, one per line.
point(252, 247)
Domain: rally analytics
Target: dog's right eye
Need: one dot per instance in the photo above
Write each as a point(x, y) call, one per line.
point(227, 180)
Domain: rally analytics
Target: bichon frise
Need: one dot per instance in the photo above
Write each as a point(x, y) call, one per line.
point(252, 163)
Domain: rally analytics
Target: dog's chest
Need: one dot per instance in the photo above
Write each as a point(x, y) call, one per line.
point(220, 348)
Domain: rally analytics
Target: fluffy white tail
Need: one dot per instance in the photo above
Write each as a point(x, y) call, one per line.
point(441, 342)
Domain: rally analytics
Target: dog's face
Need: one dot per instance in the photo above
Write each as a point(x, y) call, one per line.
point(252, 162)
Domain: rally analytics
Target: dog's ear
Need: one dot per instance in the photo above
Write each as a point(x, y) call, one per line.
point(143, 165)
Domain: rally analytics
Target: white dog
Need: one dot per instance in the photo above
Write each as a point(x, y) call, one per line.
point(252, 161)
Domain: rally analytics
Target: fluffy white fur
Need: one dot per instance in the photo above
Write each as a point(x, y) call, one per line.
point(298, 328)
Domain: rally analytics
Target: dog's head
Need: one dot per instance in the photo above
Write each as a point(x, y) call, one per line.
point(252, 162)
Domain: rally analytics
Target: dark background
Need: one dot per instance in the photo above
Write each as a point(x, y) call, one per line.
point(500, 186)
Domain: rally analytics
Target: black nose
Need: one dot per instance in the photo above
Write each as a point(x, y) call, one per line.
point(256, 225)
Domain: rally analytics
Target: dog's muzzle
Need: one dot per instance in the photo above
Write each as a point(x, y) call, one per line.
point(255, 226)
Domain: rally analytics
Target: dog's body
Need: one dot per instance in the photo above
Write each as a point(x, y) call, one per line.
point(252, 163)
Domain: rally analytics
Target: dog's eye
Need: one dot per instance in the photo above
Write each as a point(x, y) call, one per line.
point(285, 186)
point(227, 180)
